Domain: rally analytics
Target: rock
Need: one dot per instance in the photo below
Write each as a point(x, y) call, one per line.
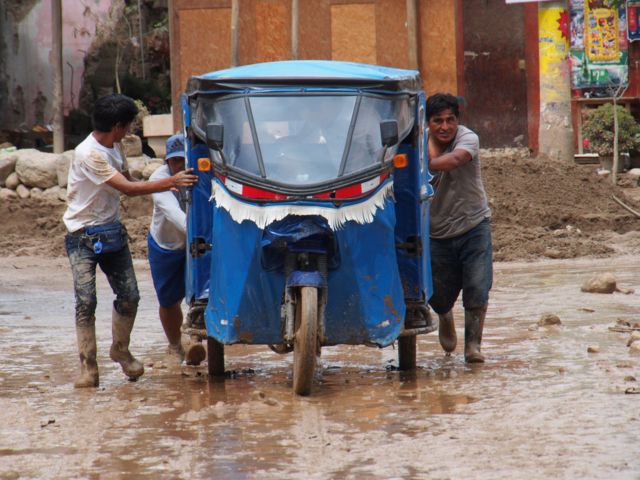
point(62, 167)
point(132, 146)
point(62, 195)
point(593, 349)
point(136, 166)
point(150, 168)
point(12, 181)
point(7, 194)
point(7, 166)
point(36, 192)
point(635, 336)
point(549, 319)
point(635, 347)
point(37, 169)
point(52, 194)
point(22, 191)
point(629, 378)
point(600, 283)
point(634, 173)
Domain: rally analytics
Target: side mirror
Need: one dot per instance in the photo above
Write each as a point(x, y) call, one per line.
point(389, 132)
point(215, 136)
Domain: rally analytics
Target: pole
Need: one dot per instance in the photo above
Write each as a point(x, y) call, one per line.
point(555, 130)
point(56, 62)
point(412, 33)
point(235, 7)
point(294, 29)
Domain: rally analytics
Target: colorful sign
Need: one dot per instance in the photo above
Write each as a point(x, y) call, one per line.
point(553, 49)
point(599, 45)
point(633, 20)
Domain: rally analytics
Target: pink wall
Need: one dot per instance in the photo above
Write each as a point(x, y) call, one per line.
point(28, 57)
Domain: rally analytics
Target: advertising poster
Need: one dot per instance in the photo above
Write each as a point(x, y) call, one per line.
point(599, 45)
point(633, 20)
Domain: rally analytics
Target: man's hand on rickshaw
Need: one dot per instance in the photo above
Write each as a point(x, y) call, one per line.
point(184, 179)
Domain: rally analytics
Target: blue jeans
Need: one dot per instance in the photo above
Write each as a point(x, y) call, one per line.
point(117, 266)
point(462, 263)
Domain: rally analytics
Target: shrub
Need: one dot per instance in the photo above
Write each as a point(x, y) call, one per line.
point(598, 129)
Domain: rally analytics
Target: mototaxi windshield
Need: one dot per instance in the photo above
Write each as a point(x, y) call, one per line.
point(303, 139)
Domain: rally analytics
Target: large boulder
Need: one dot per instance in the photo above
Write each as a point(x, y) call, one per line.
point(136, 166)
point(132, 146)
point(7, 194)
point(150, 168)
point(600, 283)
point(62, 167)
point(7, 165)
point(37, 169)
point(22, 191)
point(12, 181)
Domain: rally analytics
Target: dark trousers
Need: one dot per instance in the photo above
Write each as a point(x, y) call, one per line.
point(463, 263)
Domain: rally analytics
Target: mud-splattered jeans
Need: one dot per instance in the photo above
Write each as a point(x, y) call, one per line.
point(462, 263)
point(117, 266)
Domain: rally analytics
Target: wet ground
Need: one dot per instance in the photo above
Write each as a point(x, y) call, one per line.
point(541, 407)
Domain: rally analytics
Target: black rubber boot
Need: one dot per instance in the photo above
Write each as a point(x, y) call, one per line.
point(473, 325)
point(87, 350)
point(121, 329)
point(447, 332)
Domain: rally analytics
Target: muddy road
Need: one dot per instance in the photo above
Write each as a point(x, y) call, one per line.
point(542, 407)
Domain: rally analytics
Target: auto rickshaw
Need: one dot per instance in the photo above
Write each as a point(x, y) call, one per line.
point(309, 225)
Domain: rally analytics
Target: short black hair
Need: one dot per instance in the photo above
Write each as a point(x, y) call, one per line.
point(439, 102)
point(112, 110)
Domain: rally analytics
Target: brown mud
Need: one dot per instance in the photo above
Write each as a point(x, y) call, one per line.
point(541, 209)
point(541, 407)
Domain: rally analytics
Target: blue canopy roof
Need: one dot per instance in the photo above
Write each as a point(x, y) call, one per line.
point(307, 73)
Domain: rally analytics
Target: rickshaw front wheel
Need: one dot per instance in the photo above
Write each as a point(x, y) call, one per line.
point(215, 357)
point(407, 352)
point(305, 341)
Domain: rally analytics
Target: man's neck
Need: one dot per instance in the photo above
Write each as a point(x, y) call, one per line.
point(103, 138)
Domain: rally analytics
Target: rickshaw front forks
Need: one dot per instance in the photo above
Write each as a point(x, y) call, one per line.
point(307, 262)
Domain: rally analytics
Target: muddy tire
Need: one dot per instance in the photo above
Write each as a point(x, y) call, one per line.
point(305, 343)
point(215, 358)
point(407, 352)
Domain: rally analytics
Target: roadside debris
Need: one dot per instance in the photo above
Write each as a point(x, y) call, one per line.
point(603, 283)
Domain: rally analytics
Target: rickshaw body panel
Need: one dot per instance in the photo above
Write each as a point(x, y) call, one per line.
point(242, 309)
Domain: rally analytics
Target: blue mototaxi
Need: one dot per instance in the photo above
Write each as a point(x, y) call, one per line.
point(309, 225)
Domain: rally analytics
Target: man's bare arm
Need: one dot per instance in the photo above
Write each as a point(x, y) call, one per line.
point(450, 161)
point(132, 189)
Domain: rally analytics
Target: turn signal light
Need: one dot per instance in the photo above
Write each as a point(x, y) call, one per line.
point(401, 160)
point(204, 164)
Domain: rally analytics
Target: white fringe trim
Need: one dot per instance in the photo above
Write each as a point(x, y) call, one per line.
point(362, 212)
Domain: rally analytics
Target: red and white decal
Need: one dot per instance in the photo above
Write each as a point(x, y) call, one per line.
point(362, 211)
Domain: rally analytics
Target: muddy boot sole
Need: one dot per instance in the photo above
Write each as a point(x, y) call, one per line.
point(195, 354)
point(131, 367)
point(475, 357)
point(87, 380)
point(447, 332)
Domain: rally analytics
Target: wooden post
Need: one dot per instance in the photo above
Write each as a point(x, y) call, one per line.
point(235, 8)
point(412, 33)
point(294, 29)
point(56, 62)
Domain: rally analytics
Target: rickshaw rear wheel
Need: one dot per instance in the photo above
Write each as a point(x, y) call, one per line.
point(407, 352)
point(305, 341)
point(215, 357)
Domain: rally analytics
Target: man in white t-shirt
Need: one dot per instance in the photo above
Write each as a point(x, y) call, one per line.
point(166, 242)
point(97, 177)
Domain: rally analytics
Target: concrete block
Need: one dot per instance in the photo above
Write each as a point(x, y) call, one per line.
point(158, 125)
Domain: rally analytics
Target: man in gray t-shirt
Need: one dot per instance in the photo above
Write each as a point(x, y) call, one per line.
point(460, 230)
